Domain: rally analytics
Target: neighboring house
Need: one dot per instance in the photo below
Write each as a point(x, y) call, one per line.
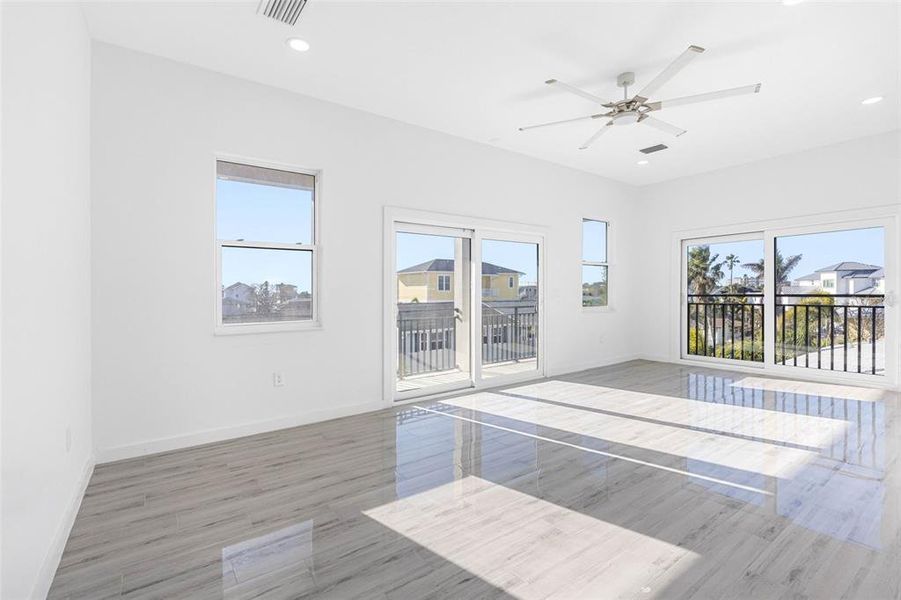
point(846, 277)
point(528, 291)
point(433, 281)
point(238, 299)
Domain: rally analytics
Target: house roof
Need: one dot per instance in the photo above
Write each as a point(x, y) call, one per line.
point(855, 269)
point(849, 265)
point(446, 265)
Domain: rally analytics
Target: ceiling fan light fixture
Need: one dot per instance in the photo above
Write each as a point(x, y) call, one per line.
point(625, 118)
point(298, 44)
point(873, 100)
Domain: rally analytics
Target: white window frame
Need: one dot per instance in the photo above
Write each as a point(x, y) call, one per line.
point(447, 287)
point(315, 248)
point(592, 263)
point(887, 217)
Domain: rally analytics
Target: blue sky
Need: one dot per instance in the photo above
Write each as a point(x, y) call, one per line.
point(818, 250)
point(413, 248)
point(255, 212)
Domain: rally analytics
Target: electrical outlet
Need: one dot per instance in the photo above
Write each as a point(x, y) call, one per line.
point(68, 439)
point(278, 380)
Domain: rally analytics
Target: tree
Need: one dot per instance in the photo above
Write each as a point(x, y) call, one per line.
point(265, 299)
point(731, 261)
point(704, 272)
point(783, 266)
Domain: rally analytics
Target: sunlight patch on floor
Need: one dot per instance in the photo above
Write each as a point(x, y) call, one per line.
point(810, 388)
point(744, 421)
point(530, 547)
point(727, 451)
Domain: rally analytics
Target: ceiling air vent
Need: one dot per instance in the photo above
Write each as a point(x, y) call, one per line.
point(286, 11)
point(652, 149)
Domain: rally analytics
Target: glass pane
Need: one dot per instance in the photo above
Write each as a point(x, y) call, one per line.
point(830, 309)
point(594, 241)
point(264, 286)
point(277, 206)
point(432, 278)
point(509, 307)
point(594, 285)
point(725, 300)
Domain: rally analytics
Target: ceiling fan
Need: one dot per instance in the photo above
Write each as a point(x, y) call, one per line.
point(637, 109)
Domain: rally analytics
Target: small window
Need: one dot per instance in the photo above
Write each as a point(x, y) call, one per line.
point(828, 283)
point(265, 228)
point(444, 284)
point(594, 263)
point(510, 283)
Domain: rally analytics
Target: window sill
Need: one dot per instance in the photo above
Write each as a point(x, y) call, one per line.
point(267, 328)
point(597, 309)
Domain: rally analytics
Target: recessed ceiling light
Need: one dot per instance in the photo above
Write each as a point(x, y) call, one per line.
point(642, 162)
point(872, 100)
point(298, 44)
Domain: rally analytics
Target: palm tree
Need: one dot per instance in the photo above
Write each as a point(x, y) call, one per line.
point(704, 272)
point(731, 261)
point(783, 266)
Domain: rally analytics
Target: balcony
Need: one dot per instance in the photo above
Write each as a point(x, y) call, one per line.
point(427, 342)
point(830, 332)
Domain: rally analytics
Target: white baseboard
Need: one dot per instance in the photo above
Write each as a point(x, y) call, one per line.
point(55, 552)
point(111, 454)
point(593, 364)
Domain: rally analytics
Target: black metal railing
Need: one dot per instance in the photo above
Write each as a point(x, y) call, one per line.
point(726, 326)
point(427, 344)
point(509, 337)
point(834, 332)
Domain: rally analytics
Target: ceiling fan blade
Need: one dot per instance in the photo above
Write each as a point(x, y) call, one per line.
point(662, 125)
point(596, 135)
point(738, 91)
point(669, 72)
point(578, 92)
point(586, 117)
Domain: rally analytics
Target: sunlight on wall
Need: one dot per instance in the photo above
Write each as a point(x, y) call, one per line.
point(530, 547)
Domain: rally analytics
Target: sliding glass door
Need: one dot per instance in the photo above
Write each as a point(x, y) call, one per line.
point(466, 308)
point(830, 300)
point(509, 306)
point(433, 309)
point(812, 298)
point(723, 287)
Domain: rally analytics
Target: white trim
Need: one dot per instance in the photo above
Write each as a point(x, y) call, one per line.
point(208, 436)
point(51, 560)
point(590, 263)
point(403, 219)
point(886, 216)
point(315, 322)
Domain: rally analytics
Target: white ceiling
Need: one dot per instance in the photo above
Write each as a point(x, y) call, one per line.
point(476, 70)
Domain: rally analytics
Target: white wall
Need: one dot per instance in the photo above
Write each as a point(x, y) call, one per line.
point(46, 294)
point(161, 378)
point(854, 175)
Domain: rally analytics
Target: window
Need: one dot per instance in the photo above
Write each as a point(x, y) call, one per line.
point(510, 282)
point(267, 243)
point(444, 284)
point(829, 283)
point(594, 262)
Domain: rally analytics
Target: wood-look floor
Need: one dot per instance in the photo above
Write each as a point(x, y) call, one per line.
point(641, 480)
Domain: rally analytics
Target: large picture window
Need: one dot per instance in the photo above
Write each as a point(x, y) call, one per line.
point(267, 247)
point(594, 263)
